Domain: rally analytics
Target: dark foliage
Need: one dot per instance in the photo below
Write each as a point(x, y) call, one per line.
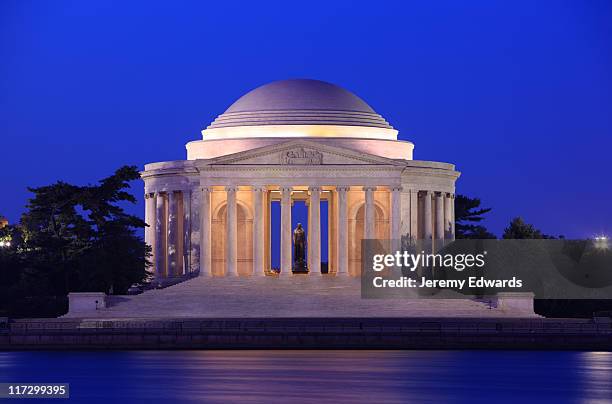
point(574, 308)
point(72, 239)
point(468, 214)
point(519, 229)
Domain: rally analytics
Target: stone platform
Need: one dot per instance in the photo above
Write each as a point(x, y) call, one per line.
point(298, 296)
point(299, 312)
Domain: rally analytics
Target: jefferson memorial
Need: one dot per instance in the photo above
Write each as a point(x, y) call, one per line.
point(288, 141)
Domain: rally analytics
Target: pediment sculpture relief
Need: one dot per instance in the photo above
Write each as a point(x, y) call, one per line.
point(301, 156)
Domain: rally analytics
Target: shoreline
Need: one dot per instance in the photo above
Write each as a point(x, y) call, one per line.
point(308, 333)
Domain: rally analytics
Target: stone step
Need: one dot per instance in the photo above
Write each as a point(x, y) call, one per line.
point(293, 296)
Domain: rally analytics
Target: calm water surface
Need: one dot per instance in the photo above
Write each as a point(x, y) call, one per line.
point(318, 376)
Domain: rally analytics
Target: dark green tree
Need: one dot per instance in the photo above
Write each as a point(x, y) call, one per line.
point(467, 214)
point(74, 238)
point(118, 258)
point(519, 229)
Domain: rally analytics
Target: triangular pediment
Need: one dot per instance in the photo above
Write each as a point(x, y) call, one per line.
point(301, 152)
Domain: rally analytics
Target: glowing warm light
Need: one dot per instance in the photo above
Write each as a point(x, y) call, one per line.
point(289, 131)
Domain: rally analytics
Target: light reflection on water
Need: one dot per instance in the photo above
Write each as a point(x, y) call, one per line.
point(317, 376)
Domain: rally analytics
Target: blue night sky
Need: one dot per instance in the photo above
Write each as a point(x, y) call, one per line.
point(518, 94)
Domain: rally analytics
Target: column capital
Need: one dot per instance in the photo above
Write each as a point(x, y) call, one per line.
point(286, 189)
point(369, 188)
point(231, 188)
point(427, 193)
point(314, 189)
point(206, 188)
point(259, 188)
point(343, 188)
point(397, 188)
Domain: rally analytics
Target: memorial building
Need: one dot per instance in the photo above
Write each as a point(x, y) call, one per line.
point(286, 141)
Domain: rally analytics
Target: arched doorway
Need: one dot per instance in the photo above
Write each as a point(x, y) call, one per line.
point(357, 229)
point(245, 240)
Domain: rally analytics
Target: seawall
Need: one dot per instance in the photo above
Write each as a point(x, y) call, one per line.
point(308, 333)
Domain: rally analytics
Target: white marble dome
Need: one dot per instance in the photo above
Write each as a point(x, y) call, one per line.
point(299, 102)
point(299, 108)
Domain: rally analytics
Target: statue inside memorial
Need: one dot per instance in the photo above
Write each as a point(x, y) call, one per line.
point(299, 250)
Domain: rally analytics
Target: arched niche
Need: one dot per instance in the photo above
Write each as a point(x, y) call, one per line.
point(244, 234)
point(356, 228)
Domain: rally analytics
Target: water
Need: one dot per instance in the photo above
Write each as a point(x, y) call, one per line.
point(318, 376)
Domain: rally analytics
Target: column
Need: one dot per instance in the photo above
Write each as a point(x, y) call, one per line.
point(427, 230)
point(342, 231)
point(231, 232)
point(160, 235)
point(186, 232)
point(404, 212)
point(452, 216)
point(447, 216)
point(396, 213)
point(308, 253)
point(150, 201)
point(258, 232)
point(414, 214)
point(267, 231)
point(369, 216)
point(314, 236)
point(285, 231)
point(205, 232)
point(332, 232)
point(195, 224)
point(173, 228)
point(440, 216)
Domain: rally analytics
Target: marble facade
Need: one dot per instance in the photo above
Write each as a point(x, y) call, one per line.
point(294, 140)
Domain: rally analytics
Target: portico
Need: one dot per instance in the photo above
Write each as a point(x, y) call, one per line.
point(210, 215)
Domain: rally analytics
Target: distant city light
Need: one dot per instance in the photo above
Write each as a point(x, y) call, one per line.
point(5, 243)
point(601, 242)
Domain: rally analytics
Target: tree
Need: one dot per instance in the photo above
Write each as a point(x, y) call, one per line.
point(75, 238)
point(118, 257)
point(519, 229)
point(468, 212)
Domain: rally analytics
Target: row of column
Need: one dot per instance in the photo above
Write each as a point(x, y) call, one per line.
point(441, 223)
point(171, 234)
point(438, 216)
point(168, 215)
point(286, 230)
point(314, 237)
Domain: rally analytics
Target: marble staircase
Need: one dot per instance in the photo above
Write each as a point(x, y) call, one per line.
point(291, 297)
